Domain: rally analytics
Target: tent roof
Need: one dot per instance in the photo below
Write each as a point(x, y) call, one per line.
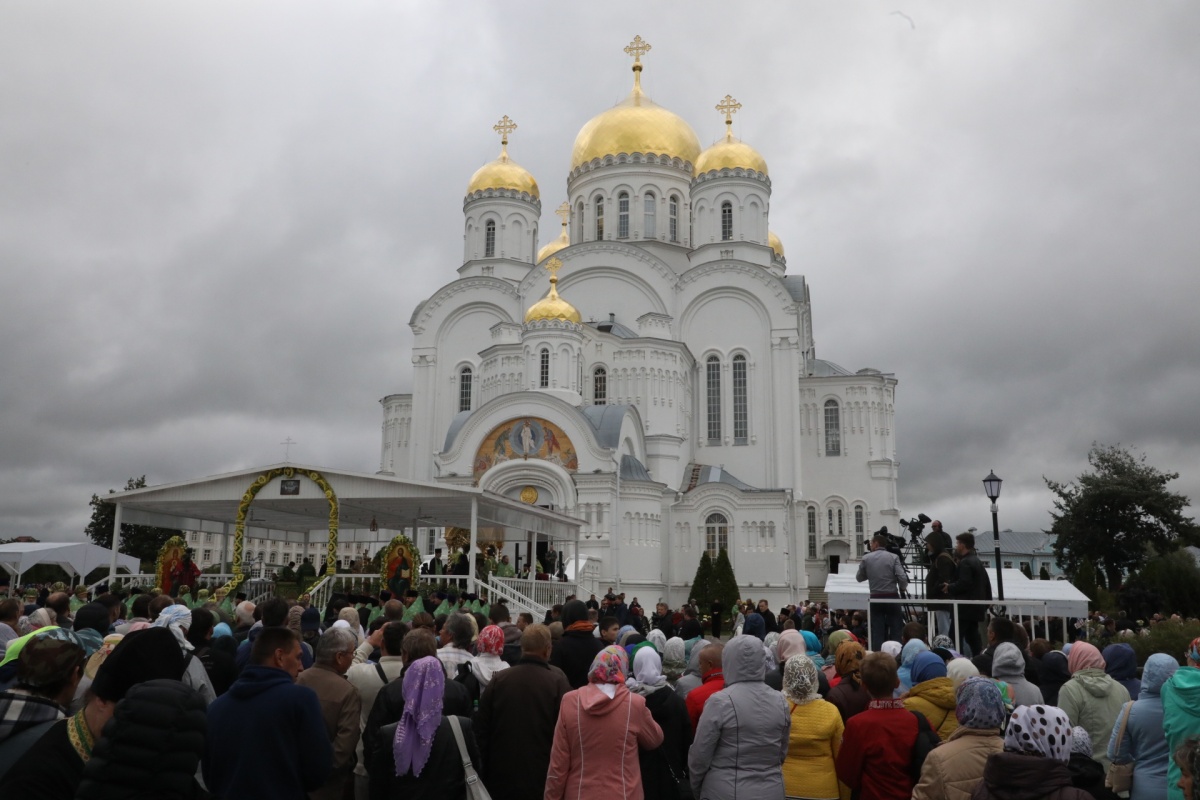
point(77, 558)
point(207, 504)
point(1021, 595)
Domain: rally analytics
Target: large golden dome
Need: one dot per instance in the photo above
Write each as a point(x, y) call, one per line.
point(503, 173)
point(553, 307)
point(775, 244)
point(730, 153)
point(635, 125)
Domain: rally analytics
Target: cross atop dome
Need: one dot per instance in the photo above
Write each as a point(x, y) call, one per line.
point(553, 266)
point(637, 48)
point(728, 107)
point(564, 211)
point(504, 127)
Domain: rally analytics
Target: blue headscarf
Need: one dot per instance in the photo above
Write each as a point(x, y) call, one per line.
point(755, 626)
point(980, 704)
point(908, 655)
point(1158, 669)
point(927, 666)
point(812, 648)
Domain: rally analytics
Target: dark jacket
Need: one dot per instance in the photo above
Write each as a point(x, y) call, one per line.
point(265, 714)
point(515, 728)
point(972, 583)
point(1015, 776)
point(662, 766)
point(1053, 674)
point(441, 777)
point(849, 697)
point(574, 653)
point(1087, 774)
point(389, 707)
point(151, 747)
point(942, 570)
point(49, 770)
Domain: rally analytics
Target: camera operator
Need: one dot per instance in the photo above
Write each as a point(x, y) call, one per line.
point(942, 571)
point(886, 578)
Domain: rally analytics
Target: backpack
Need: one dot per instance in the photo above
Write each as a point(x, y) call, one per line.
point(927, 739)
point(466, 676)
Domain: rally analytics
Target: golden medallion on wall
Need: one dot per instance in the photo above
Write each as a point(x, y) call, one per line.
point(529, 495)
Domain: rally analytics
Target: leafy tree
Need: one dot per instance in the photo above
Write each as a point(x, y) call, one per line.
point(702, 584)
point(1117, 515)
point(1084, 580)
point(724, 587)
point(1168, 584)
point(1026, 570)
point(141, 541)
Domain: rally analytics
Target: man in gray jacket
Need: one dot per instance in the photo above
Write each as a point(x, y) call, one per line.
point(887, 579)
point(742, 738)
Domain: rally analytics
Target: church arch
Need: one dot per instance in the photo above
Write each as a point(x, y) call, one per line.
point(552, 481)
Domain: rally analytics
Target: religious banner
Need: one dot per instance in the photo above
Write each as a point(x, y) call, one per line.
point(525, 438)
point(398, 566)
point(170, 563)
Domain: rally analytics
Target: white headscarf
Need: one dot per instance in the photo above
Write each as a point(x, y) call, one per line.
point(658, 639)
point(648, 676)
point(177, 619)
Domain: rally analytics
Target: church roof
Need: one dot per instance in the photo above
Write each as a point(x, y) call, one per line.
point(634, 470)
point(827, 369)
point(606, 422)
point(795, 286)
point(615, 328)
point(699, 474)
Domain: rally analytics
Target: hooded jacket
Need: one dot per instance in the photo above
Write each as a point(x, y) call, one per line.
point(1008, 665)
point(1181, 718)
point(596, 742)
point(1120, 662)
point(691, 676)
point(1016, 776)
point(742, 738)
point(1093, 700)
point(1143, 742)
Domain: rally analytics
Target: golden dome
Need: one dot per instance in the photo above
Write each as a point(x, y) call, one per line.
point(635, 125)
point(563, 240)
point(730, 153)
point(503, 173)
point(775, 244)
point(553, 307)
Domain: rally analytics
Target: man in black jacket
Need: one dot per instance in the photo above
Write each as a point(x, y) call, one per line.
point(574, 652)
point(971, 583)
point(941, 570)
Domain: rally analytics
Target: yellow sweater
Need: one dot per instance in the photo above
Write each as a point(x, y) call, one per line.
point(816, 737)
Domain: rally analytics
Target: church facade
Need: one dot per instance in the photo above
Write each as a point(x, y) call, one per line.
point(650, 371)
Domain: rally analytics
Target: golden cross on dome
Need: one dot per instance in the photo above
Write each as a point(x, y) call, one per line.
point(564, 211)
point(553, 265)
point(504, 127)
point(637, 48)
point(728, 107)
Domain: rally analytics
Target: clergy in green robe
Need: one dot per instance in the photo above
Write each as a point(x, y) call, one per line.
point(505, 569)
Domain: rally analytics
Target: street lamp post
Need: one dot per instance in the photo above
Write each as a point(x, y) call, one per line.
point(991, 485)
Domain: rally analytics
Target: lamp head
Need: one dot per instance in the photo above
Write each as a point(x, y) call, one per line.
point(991, 486)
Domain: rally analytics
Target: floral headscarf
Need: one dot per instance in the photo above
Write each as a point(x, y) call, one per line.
point(1193, 651)
point(800, 681)
point(424, 689)
point(849, 658)
point(979, 704)
point(943, 641)
point(610, 665)
point(1081, 741)
point(491, 641)
point(1084, 656)
point(1040, 731)
point(674, 660)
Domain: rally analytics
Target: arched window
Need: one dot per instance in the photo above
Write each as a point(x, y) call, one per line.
point(464, 389)
point(648, 211)
point(489, 239)
point(713, 386)
point(544, 369)
point(859, 522)
point(833, 428)
point(716, 534)
point(726, 221)
point(600, 386)
point(623, 215)
point(599, 219)
point(578, 237)
point(812, 519)
point(673, 218)
point(741, 420)
point(274, 557)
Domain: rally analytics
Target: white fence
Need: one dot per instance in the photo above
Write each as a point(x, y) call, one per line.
point(1017, 610)
point(542, 594)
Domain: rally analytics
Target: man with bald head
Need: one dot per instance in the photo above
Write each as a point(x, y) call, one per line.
point(60, 604)
point(713, 681)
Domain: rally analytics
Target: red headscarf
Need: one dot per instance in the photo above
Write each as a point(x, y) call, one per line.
point(490, 641)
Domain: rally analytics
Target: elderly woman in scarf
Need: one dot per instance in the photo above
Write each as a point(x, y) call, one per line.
point(812, 648)
point(674, 660)
point(1092, 699)
point(608, 723)
point(850, 696)
point(424, 760)
point(489, 647)
point(790, 643)
point(1033, 764)
point(954, 769)
point(815, 736)
point(178, 619)
point(670, 712)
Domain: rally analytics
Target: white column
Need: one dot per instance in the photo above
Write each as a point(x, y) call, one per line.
point(474, 544)
point(112, 564)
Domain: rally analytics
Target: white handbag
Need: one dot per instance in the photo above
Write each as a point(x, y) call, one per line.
point(475, 788)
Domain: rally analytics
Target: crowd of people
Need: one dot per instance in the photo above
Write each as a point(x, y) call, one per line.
point(393, 698)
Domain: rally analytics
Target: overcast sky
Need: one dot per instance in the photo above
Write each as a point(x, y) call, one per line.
point(216, 218)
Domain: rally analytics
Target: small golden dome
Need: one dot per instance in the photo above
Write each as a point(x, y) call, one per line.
point(563, 240)
point(503, 173)
point(553, 307)
point(775, 244)
point(635, 125)
point(730, 153)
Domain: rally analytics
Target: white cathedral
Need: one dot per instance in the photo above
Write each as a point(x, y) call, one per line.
point(651, 371)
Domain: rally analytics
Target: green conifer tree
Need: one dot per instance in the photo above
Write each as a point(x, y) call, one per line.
point(701, 590)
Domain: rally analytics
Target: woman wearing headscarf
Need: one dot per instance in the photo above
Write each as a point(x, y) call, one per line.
point(908, 654)
point(954, 769)
point(423, 761)
point(815, 735)
point(1143, 742)
point(1091, 698)
point(933, 694)
point(831, 647)
point(178, 620)
point(674, 660)
point(893, 649)
point(664, 768)
point(658, 639)
point(1053, 675)
point(1033, 765)
point(755, 626)
point(1120, 662)
point(850, 696)
point(790, 643)
point(607, 723)
point(1086, 772)
point(489, 648)
point(1181, 712)
point(691, 677)
point(1008, 665)
point(959, 670)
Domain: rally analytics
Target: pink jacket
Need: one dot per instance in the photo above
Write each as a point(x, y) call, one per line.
point(596, 741)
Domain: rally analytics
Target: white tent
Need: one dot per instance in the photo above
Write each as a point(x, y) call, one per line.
point(77, 558)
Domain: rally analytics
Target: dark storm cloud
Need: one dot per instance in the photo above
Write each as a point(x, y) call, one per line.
point(216, 220)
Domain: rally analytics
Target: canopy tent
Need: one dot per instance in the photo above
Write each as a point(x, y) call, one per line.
point(77, 558)
point(282, 502)
point(1021, 595)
